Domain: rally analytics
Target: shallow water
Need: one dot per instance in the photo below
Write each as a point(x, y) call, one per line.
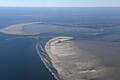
point(98, 35)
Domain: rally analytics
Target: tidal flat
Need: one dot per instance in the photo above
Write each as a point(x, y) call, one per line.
point(85, 43)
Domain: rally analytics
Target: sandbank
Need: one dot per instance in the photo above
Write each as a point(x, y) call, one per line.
point(73, 64)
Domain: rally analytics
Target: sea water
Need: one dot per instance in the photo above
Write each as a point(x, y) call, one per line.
point(18, 57)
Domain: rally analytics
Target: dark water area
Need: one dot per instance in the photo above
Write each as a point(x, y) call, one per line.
point(19, 60)
point(64, 16)
point(18, 57)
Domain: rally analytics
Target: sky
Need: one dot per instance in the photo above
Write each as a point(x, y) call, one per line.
point(60, 3)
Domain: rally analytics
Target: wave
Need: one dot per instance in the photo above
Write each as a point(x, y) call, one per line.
point(46, 60)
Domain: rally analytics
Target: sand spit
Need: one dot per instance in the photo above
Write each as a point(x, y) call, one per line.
point(34, 28)
point(71, 63)
point(17, 29)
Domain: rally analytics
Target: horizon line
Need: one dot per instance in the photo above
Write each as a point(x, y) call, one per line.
point(59, 6)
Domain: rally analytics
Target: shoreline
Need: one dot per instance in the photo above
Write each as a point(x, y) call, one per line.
point(70, 63)
point(56, 74)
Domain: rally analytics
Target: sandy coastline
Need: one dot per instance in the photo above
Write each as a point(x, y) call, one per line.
point(71, 63)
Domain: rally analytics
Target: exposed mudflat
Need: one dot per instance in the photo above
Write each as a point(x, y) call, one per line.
point(75, 59)
point(17, 29)
point(83, 60)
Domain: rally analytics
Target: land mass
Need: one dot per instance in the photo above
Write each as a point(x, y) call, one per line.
point(72, 63)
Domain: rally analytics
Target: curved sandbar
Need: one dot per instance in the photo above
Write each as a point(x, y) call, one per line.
point(17, 29)
point(34, 28)
point(73, 64)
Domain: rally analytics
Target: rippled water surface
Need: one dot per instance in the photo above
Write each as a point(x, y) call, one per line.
point(98, 34)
